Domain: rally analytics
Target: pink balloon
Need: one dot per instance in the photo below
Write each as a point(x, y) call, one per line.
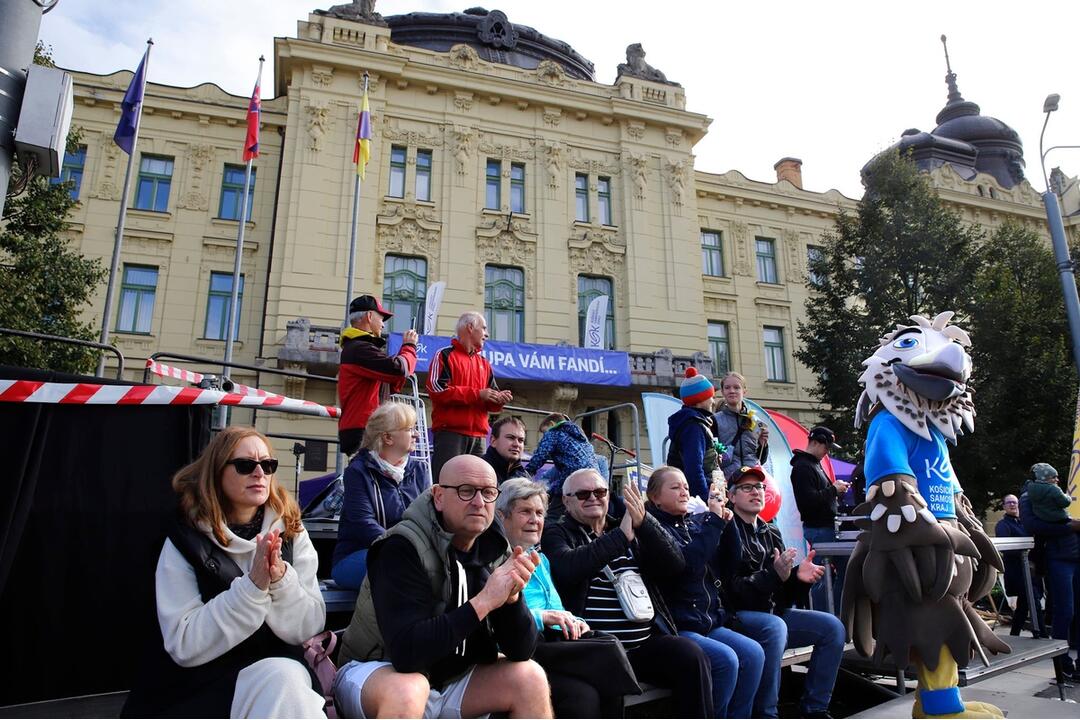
point(772, 498)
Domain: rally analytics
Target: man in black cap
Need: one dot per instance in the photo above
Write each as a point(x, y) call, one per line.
point(367, 375)
point(816, 497)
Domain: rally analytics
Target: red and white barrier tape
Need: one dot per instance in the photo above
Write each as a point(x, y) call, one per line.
point(195, 378)
point(33, 391)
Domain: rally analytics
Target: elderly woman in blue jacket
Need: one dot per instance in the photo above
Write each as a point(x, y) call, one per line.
point(520, 508)
point(380, 482)
point(711, 548)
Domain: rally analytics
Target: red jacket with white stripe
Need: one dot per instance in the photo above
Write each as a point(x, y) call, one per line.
point(454, 382)
point(367, 375)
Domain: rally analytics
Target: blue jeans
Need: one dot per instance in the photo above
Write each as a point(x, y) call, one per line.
point(1063, 587)
point(818, 593)
point(795, 628)
point(350, 570)
point(736, 663)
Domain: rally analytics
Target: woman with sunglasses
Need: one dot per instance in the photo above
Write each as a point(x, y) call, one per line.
point(236, 593)
point(380, 482)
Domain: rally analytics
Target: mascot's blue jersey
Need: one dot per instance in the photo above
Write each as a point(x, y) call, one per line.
point(892, 448)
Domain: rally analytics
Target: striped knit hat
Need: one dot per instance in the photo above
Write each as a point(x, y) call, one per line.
point(695, 388)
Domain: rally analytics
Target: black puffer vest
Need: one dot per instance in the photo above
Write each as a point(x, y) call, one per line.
point(169, 690)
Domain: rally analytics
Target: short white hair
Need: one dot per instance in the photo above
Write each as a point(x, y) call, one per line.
point(571, 479)
point(355, 317)
point(468, 318)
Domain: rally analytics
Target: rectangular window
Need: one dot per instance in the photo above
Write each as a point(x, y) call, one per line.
point(517, 188)
point(423, 175)
point(581, 197)
point(766, 260)
point(404, 288)
point(712, 254)
point(775, 366)
point(719, 348)
point(232, 191)
point(218, 304)
point(589, 288)
point(397, 171)
point(155, 179)
point(504, 302)
point(137, 291)
point(603, 200)
point(814, 255)
point(72, 170)
point(493, 186)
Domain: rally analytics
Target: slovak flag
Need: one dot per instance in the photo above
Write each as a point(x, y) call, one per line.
point(362, 151)
point(251, 142)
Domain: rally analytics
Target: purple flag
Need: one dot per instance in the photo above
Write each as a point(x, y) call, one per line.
point(132, 108)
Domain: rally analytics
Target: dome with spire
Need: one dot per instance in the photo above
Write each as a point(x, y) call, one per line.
point(965, 139)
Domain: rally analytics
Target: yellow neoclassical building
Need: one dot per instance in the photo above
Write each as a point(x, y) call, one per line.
point(498, 166)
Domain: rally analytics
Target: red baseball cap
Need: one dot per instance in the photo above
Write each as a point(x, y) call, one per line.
point(369, 302)
point(748, 471)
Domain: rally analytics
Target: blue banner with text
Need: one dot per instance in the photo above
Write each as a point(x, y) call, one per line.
point(524, 361)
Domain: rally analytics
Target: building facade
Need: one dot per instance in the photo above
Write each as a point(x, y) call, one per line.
point(498, 166)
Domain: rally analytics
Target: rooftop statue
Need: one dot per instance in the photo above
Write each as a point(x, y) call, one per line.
point(635, 66)
point(359, 10)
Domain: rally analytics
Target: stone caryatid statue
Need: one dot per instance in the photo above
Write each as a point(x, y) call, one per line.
point(358, 10)
point(635, 66)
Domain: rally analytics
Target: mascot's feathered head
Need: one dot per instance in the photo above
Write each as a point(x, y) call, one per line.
point(920, 374)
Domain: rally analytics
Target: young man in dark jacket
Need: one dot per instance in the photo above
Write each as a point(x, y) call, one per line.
point(816, 497)
point(440, 620)
point(367, 375)
point(585, 542)
point(1010, 526)
point(504, 452)
point(764, 586)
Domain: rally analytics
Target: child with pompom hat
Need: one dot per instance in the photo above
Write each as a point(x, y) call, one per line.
point(694, 448)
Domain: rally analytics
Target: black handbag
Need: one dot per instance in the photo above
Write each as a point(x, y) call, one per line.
point(595, 657)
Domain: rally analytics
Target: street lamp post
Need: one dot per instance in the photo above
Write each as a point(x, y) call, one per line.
point(1057, 236)
point(1068, 280)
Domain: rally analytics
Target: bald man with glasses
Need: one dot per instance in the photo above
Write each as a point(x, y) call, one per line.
point(441, 601)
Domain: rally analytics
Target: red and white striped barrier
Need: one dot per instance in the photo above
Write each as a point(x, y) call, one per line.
point(33, 391)
point(171, 371)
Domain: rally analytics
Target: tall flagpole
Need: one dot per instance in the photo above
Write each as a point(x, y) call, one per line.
point(352, 233)
point(119, 241)
point(234, 302)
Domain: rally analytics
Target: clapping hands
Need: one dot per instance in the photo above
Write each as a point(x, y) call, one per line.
point(268, 566)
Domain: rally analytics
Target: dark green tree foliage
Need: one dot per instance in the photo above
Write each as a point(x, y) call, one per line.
point(902, 252)
point(44, 283)
point(1023, 375)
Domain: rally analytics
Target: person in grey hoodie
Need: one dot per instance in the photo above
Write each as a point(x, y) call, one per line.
point(738, 429)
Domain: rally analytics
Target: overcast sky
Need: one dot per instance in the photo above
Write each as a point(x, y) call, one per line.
point(831, 83)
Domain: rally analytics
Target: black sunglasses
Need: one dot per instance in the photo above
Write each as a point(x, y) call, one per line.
point(246, 466)
point(599, 493)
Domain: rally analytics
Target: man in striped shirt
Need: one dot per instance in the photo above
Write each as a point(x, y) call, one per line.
point(588, 548)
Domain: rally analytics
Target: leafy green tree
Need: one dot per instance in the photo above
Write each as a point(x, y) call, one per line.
point(902, 252)
point(1023, 375)
point(44, 283)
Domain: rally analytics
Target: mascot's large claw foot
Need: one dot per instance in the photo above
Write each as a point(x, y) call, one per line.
point(939, 697)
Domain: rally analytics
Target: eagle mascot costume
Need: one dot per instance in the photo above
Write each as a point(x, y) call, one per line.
point(922, 555)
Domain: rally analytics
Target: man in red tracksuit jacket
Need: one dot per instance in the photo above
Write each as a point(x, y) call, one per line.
point(463, 391)
point(367, 375)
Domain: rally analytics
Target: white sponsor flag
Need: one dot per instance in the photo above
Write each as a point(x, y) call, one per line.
point(431, 306)
point(596, 322)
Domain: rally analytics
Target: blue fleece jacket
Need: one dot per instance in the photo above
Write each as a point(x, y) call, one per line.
point(373, 502)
